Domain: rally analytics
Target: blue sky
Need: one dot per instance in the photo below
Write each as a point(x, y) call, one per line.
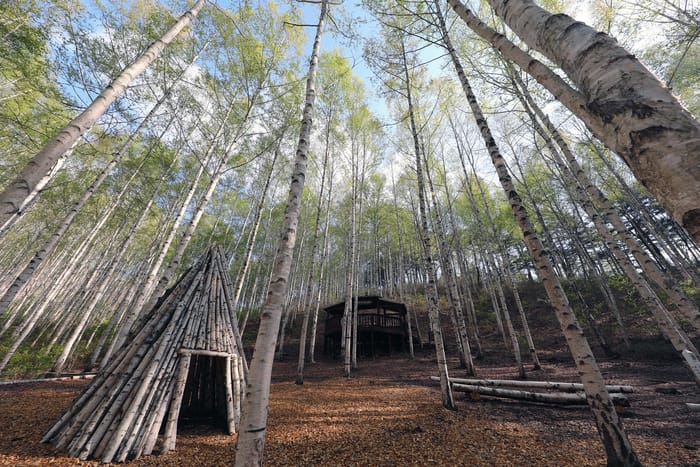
point(351, 50)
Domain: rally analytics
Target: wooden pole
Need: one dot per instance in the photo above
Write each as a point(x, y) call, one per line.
point(568, 387)
point(577, 398)
point(176, 403)
point(230, 412)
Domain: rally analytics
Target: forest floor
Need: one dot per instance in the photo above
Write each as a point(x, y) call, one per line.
point(389, 413)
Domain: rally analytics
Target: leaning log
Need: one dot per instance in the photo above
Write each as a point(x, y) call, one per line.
point(169, 438)
point(693, 407)
point(578, 398)
point(565, 387)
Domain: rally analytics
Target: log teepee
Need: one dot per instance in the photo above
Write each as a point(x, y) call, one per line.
point(184, 357)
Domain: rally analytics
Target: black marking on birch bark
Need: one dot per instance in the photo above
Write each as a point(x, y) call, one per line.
point(607, 111)
point(555, 28)
point(641, 137)
point(691, 220)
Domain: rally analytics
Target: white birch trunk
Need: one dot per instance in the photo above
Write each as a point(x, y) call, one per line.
point(624, 104)
point(431, 289)
point(322, 271)
point(401, 273)
point(617, 447)
point(312, 267)
point(347, 320)
point(454, 299)
point(251, 438)
point(611, 214)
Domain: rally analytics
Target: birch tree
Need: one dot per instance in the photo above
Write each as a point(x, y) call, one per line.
point(617, 446)
point(620, 101)
point(251, 439)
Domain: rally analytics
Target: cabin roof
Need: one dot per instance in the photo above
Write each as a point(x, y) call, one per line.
point(368, 302)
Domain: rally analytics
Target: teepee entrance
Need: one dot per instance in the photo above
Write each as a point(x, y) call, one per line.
point(207, 391)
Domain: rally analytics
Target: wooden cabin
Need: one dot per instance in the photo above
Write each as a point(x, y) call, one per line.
point(382, 327)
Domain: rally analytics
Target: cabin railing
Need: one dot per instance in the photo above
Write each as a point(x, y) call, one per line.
point(367, 322)
point(378, 321)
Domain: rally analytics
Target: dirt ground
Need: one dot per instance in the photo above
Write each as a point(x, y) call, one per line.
point(389, 413)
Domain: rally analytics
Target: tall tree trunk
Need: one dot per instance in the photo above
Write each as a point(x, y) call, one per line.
point(431, 288)
point(152, 290)
point(251, 439)
point(445, 253)
point(583, 191)
point(22, 188)
point(401, 273)
point(617, 447)
point(202, 204)
point(351, 252)
point(679, 258)
point(248, 254)
point(296, 284)
point(150, 282)
point(312, 266)
point(668, 325)
point(357, 251)
point(322, 271)
point(88, 308)
point(610, 213)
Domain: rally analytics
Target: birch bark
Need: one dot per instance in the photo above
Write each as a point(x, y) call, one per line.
point(624, 104)
point(617, 446)
point(312, 267)
point(251, 438)
point(431, 289)
point(609, 212)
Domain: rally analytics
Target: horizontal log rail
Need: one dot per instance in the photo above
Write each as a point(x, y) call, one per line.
point(206, 353)
point(368, 321)
point(55, 378)
point(567, 387)
point(577, 398)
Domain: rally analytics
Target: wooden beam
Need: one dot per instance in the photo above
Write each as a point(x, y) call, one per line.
point(230, 412)
point(206, 353)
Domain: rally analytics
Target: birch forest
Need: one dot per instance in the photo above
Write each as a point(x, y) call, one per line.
point(522, 176)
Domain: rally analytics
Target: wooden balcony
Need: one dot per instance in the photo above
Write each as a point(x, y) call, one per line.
point(381, 326)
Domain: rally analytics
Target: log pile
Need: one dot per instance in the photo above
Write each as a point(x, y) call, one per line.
point(185, 354)
point(565, 393)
